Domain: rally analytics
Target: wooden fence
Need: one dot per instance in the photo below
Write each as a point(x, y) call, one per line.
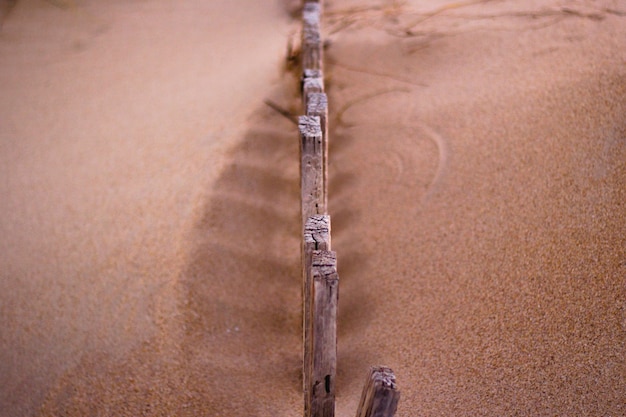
point(320, 281)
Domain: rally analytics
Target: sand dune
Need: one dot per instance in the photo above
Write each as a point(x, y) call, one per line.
point(149, 213)
point(118, 121)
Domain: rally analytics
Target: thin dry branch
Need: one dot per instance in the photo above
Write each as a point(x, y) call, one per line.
point(374, 73)
point(345, 107)
point(386, 18)
point(282, 111)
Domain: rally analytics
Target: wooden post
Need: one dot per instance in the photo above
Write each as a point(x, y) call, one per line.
point(312, 82)
point(311, 169)
point(317, 105)
point(320, 282)
point(324, 337)
point(311, 36)
point(380, 395)
point(316, 237)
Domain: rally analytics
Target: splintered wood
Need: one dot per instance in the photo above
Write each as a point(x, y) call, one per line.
point(316, 238)
point(324, 346)
point(380, 396)
point(319, 270)
point(311, 169)
point(320, 282)
point(317, 105)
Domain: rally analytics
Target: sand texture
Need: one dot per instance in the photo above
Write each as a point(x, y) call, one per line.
point(149, 206)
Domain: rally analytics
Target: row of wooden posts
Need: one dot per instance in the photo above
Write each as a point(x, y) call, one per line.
point(319, 263)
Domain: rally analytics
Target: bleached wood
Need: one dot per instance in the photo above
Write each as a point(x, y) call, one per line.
point(317, 105)
point(324, 336)
point(312, 82)
point(311, 167)
point(316, 237)
point(319, 275)
point(311, 36)
point(380, 395)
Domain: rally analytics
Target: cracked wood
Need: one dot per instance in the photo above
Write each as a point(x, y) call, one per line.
point(380, 394)
point(316, 237)
point(311, 169)
point(324, 336)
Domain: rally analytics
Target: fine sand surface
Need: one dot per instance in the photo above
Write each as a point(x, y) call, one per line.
point(149, 204)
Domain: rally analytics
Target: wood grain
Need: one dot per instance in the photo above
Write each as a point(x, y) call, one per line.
point(311, 37)
point(317, 105)
point(380, 395)
point(316, 237)
point(311, 169)
point(324, 337)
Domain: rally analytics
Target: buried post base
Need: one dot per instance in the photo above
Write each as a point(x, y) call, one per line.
point(380, 394)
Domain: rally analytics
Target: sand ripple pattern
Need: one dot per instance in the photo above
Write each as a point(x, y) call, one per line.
point(409, 160)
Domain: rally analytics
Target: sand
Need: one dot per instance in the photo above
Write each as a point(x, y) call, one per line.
point(149, 245)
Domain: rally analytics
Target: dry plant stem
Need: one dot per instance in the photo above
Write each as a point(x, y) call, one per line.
point(62, 4)
point(344, 18)
point(363, 13)
point(446, 7)
point(534, 14)
point(357, 100)
point(380, 395)
point(374, 73)
point(324, 346)
point(316, 237)
point(282, 111)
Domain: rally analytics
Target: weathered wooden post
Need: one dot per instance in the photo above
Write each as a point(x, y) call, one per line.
point(311, 36)
point(316, 287)
point(312, 82)
point(324, 336)
point(320, 282)
point(317, 105)
point(316, 237)
point(311, 169)
point(380, 395)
